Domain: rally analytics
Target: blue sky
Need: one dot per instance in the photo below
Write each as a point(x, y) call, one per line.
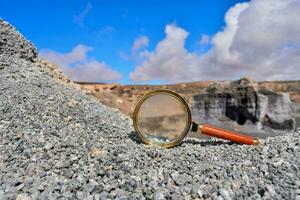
point(109, 28)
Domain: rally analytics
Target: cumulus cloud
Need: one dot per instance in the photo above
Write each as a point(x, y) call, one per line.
point(261, 39)
point(139, 43)
point(170, 59)
point(79, 67)
point(205, 39)
point(136, 54)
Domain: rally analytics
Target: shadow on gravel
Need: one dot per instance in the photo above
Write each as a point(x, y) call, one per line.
point(208, 143)
point(133, 136)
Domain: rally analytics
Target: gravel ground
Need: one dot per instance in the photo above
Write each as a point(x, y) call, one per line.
point(58, 143)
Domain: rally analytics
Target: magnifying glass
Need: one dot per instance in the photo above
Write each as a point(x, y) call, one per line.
point(163, 118)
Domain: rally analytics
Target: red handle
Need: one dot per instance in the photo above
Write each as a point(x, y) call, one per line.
point(228, 135)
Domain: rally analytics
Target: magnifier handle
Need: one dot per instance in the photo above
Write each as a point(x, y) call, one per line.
point(228, 135)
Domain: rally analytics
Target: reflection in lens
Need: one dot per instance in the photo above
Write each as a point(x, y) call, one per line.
point(162, 118)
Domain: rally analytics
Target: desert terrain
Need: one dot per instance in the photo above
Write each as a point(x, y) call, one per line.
point(125, 97)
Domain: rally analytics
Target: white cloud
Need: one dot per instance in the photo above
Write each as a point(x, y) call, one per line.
point(261, 39)
point(168, 60)
point(79, 19)
point(205, 39)
point(106, 30)
point(79, 67)
point(139, 43)
point(136, 54)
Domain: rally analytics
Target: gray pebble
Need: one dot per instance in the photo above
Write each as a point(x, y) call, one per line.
point(67, 173)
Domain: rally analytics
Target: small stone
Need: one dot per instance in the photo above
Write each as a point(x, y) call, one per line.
point(225, 194)
point(97, 196)
point(247, 163)
point(201, 190)
point(42, 174)
point(264, 168)
point(278, 162)
point(23, 197)
point(159, 196)
point(80, 195)
point(20, 135)
point(30, 168)
point(103, 195)
point(297, 191)
point(80, 178)
point(67, 173)
point(91, 185)
point(48, 146)
point(68, 119)
point(29, 180)
point(73, 158)
point(271, 190)
point(41, 187)
point(20, 187)
point(96, 153)
point(297, 183)
point(174, 175)
point(59, 165)
point(47, 167)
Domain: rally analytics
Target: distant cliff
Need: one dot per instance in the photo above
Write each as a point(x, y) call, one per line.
point(125, 97)
point(246, 106)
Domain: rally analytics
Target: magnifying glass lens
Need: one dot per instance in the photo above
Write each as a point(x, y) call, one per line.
point(162, 118)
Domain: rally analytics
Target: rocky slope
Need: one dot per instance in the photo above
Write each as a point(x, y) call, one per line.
point(58, 143)
point(53, 70)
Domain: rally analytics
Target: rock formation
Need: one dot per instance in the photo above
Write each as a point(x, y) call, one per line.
point(244, 106)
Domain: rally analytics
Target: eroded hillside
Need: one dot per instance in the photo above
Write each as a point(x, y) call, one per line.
point(125, 97)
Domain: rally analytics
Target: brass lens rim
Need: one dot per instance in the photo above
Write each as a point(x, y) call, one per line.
point(183, 103)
